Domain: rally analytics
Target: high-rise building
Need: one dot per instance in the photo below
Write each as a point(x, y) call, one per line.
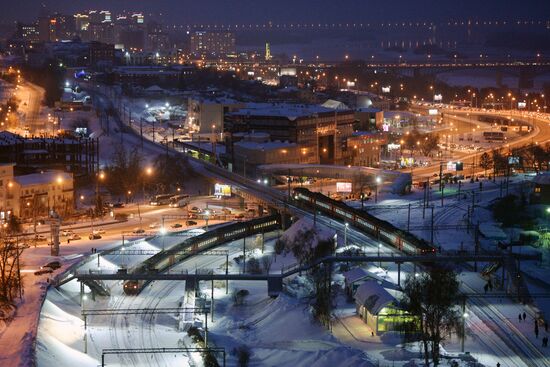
point(267, 52)
point(81, 22)
point(46, 29)
point(157, 38)
point(212, 43)
point(28, 32)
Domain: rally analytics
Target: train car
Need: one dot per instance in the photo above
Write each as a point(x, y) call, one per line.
point(382, 230)
point(162, 261)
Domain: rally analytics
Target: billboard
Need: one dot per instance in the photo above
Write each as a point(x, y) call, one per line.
point(386, 89)
point(513, 160)
point(343, 187)
point(438, 97)
point(222, 190)
point(522, 104)
point(455, 166)
point(433, 112)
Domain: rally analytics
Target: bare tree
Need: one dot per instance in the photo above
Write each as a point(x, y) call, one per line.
point(485, 162)
point(433, 298)
point(10, 277)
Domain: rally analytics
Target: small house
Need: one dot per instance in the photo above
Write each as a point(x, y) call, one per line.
point(378, 308)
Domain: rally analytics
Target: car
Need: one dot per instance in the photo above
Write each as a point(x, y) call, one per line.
point(193, 216)
point(138, 231)
point(43, 271)
point(94, 236)
point(190, 223)
point(153, 225)
point(176, 225)
point(54, 265)
point(195, 210)
point(74, 237)
point(99, 231)
point(118, 205)
point(66, 232)
point(226, 211)
point(40, 237)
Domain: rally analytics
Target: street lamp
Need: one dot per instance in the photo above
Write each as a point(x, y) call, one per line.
point(379, 261)
point(99, 177)
point(463, 319)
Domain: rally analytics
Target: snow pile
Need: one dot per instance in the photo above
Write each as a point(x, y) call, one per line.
point(282, 333)
point(60, 334)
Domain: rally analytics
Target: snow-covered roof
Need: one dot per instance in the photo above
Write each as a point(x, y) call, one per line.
point(290, 111)
point(542, 178)
point(373, 296)
point(491, 231)
point(154, 88)
point(355, 274)
point(335, 105)
point(42, 178)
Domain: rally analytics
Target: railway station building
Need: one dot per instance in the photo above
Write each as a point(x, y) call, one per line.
point(379, 309)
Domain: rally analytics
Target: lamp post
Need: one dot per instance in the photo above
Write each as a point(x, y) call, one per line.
point(100, 176)
point(379, 261)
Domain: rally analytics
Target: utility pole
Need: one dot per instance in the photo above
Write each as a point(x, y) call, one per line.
point(409, 218)
point(432, 227)
point(244, 255)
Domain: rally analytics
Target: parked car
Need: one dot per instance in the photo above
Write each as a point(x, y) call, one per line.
point(190, 223)
point(138, 231)
point(153, 225)
point(54, 265)
point(195, 210)
point(118, 205)
point(239, 216)
point(99, 231)
point(66, 232)
point(40, 237)
point(74, 237)
point(176, 225)
point(94, 236)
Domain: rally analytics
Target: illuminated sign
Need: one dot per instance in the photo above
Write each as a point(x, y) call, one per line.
point(222, 190)
point(513, 160)
point(455, 166)
point(433, 112)
point(438, 97)
point(386, 89)
point(343, 187)
point(407, 161)
point(522, 104)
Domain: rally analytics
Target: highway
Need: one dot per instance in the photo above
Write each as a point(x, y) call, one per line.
point(540, 134)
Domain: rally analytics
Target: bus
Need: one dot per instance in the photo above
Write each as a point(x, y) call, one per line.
point(158, 200)
point(179, 201)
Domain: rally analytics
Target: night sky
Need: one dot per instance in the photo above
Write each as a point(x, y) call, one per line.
point(218, 11)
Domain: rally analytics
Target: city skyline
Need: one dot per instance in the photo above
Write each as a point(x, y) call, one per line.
point(218, 11)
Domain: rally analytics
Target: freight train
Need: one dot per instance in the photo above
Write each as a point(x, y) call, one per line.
point(384, 231)
point(191, 246)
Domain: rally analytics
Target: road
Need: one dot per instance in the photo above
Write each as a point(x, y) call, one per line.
point(540, 134)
